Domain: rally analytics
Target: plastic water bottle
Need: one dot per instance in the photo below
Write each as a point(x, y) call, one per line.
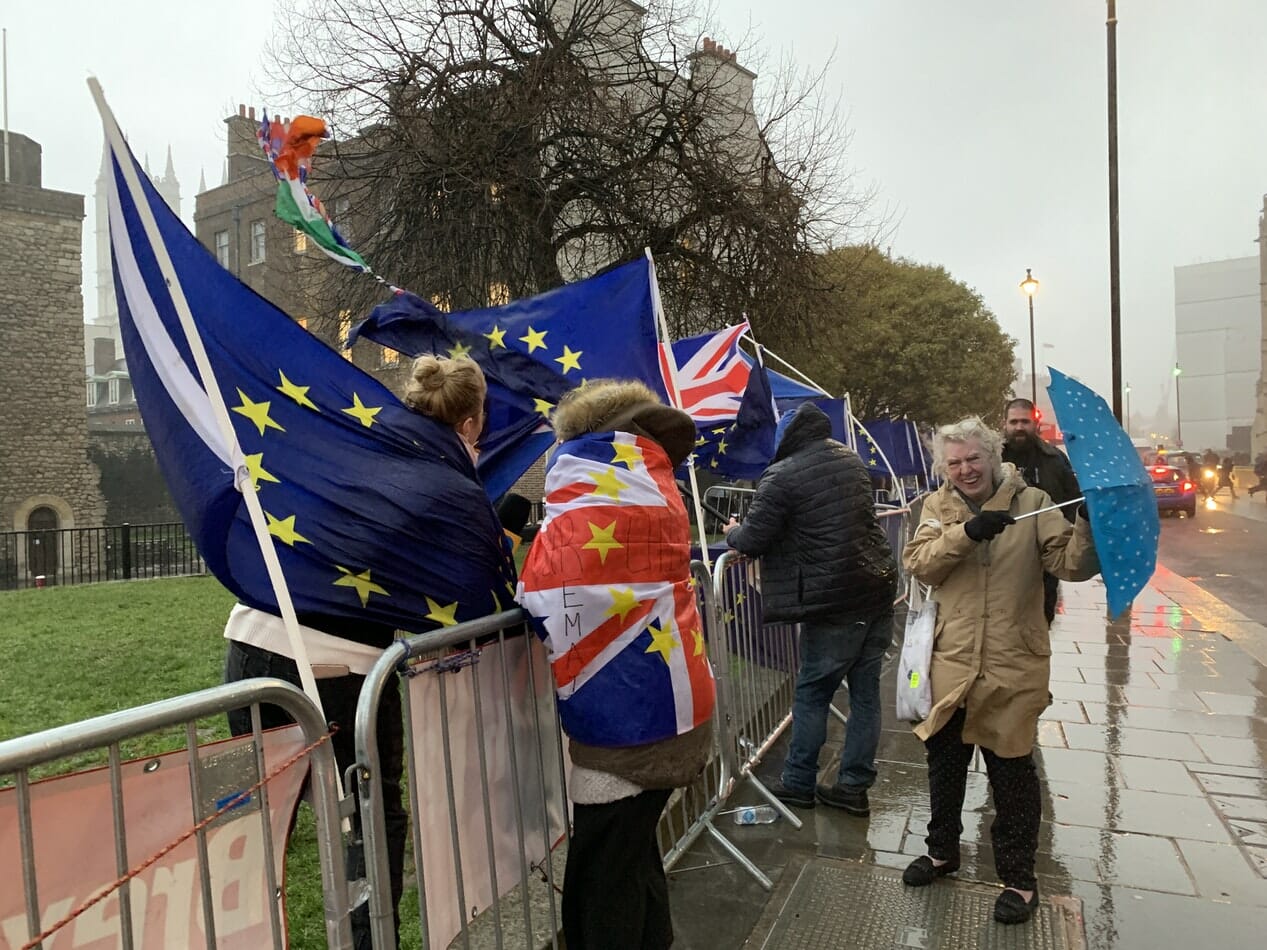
point(755, 815)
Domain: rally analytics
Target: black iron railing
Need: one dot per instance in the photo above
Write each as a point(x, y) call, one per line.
point(44, 558)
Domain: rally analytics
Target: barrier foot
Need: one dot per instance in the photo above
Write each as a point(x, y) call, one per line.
point(778, 806)
point(740, 858)
point(831, 708)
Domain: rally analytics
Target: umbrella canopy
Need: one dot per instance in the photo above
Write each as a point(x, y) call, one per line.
point(1120, 501)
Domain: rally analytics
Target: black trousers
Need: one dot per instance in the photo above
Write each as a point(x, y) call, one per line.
point(1018, 804)
point(615, 896)
point(339, 697)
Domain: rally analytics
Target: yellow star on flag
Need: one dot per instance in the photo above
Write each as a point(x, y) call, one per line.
point(699, 641)
point(361, 582)
point(496, 337)
point(295, 392)
point(362, 412)
point(571, 359)
point(255, 469)
point(602, 540)
point(662, 641)
point(445, 616)
point(721, 447)
point(257, 412)
point(535, 340)
point(542, 406)
point(701, 441)
point(608, 484)
point(623, 601)
point(727, 617)
point(459, 350)
point(627, 455)
point(283, 529)
point(721, 431)
point(713, 463)
point(740, 598)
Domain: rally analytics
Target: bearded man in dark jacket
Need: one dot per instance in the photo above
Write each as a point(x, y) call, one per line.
point(826, 562)
point(1042, 466)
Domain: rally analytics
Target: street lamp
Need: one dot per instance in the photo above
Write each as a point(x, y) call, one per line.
point(1178, 410)
point(1030, 286)
point(1127, 392)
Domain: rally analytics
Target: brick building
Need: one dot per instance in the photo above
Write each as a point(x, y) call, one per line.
point(46, 479)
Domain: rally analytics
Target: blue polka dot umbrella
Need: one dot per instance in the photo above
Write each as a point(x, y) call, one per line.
point(1120, 501)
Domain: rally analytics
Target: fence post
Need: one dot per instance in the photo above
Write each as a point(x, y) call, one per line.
point(125, 556)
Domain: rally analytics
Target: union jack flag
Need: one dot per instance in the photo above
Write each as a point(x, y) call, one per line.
point(608, 585)
point(712, 374)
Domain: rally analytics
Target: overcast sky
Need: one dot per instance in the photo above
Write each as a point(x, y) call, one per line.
point(980, 122)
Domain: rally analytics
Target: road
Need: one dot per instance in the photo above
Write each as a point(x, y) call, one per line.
point(1223, 553)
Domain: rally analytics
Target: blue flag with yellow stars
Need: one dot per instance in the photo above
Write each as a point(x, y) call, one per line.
point(896, 440)
point(376, 511)
point(741, 449)
point(1121, 505)
point(533, 351)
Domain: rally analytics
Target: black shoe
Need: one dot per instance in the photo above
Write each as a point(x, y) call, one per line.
point(851, 798)
point(1011, 908)
point(796, 797)
point(921, 872)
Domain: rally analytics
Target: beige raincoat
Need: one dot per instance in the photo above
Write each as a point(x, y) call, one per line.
point(992, 651)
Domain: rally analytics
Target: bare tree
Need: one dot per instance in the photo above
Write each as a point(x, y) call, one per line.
point(497, 148)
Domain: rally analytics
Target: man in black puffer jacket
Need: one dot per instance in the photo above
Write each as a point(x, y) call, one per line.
point(825, 561)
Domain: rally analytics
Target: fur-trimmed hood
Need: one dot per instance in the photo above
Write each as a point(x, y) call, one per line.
point(610, 405)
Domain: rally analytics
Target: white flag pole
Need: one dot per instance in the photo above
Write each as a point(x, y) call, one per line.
point(658, 306)
point(241, 479)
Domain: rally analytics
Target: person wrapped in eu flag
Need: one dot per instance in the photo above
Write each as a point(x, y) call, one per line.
point(608, 585)
point(342, 650)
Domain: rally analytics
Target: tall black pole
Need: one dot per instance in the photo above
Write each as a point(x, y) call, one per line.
point(1115, 289)
point(1033, 364)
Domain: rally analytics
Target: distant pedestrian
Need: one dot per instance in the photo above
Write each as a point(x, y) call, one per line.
point(1260, 469)
point(992, 653)
point(1227, 477)
point(825, 562)
point(1044, 466)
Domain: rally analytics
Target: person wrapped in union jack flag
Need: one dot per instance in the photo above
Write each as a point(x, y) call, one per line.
point(608, 585)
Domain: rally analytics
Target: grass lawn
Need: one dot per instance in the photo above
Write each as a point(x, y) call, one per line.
point(71, 653)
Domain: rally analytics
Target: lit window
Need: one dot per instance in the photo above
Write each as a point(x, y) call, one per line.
point(222, 248)
point(498, 294)
point(345, 328)
point(390, 357)
point(301, 242)
point(257, 241)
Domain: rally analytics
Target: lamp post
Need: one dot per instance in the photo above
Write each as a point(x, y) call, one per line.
point(1178, 409)
point(1115, 290)
point(1127, 392)
point(1030, 286)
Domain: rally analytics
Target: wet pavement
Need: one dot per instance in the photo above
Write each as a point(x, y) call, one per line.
point(1154, 764)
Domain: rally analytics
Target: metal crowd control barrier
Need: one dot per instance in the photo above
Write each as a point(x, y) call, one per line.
point(19, 756)
point(534, 777)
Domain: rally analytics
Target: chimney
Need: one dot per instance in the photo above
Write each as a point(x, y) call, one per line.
point(102, 355)
point(243, 150)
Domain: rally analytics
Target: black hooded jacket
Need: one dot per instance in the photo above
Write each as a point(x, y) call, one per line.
point(813, 525)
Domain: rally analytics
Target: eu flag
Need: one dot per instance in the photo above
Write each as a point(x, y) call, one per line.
point(376, 511)
point(742, 449)
point(533, 351)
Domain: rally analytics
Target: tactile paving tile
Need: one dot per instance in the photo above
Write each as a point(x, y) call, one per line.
point(837, 905)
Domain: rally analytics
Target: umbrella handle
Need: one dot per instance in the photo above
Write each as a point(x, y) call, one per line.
point(1063, 504)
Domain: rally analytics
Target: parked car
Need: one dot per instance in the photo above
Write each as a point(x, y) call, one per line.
point(1174, 490)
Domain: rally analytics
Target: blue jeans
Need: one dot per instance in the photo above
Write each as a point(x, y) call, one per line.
point(842, 647)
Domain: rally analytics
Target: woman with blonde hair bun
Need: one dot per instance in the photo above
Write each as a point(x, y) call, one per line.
point(451, 391)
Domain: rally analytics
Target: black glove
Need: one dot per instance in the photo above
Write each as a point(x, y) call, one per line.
point(987, 524)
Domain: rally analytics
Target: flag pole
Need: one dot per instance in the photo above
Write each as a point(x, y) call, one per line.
point(784, 363)
point(658, 306)
point(241, 479)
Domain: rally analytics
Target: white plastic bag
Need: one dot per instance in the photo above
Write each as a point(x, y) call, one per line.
point(914, 687)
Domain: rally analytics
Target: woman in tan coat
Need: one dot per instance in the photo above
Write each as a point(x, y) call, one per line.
point(991, 656)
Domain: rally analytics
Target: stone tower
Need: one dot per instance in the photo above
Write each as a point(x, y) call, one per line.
point(46, 480)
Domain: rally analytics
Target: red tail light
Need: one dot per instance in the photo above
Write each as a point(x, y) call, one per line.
point(1161, 470)
point(1188, 486)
